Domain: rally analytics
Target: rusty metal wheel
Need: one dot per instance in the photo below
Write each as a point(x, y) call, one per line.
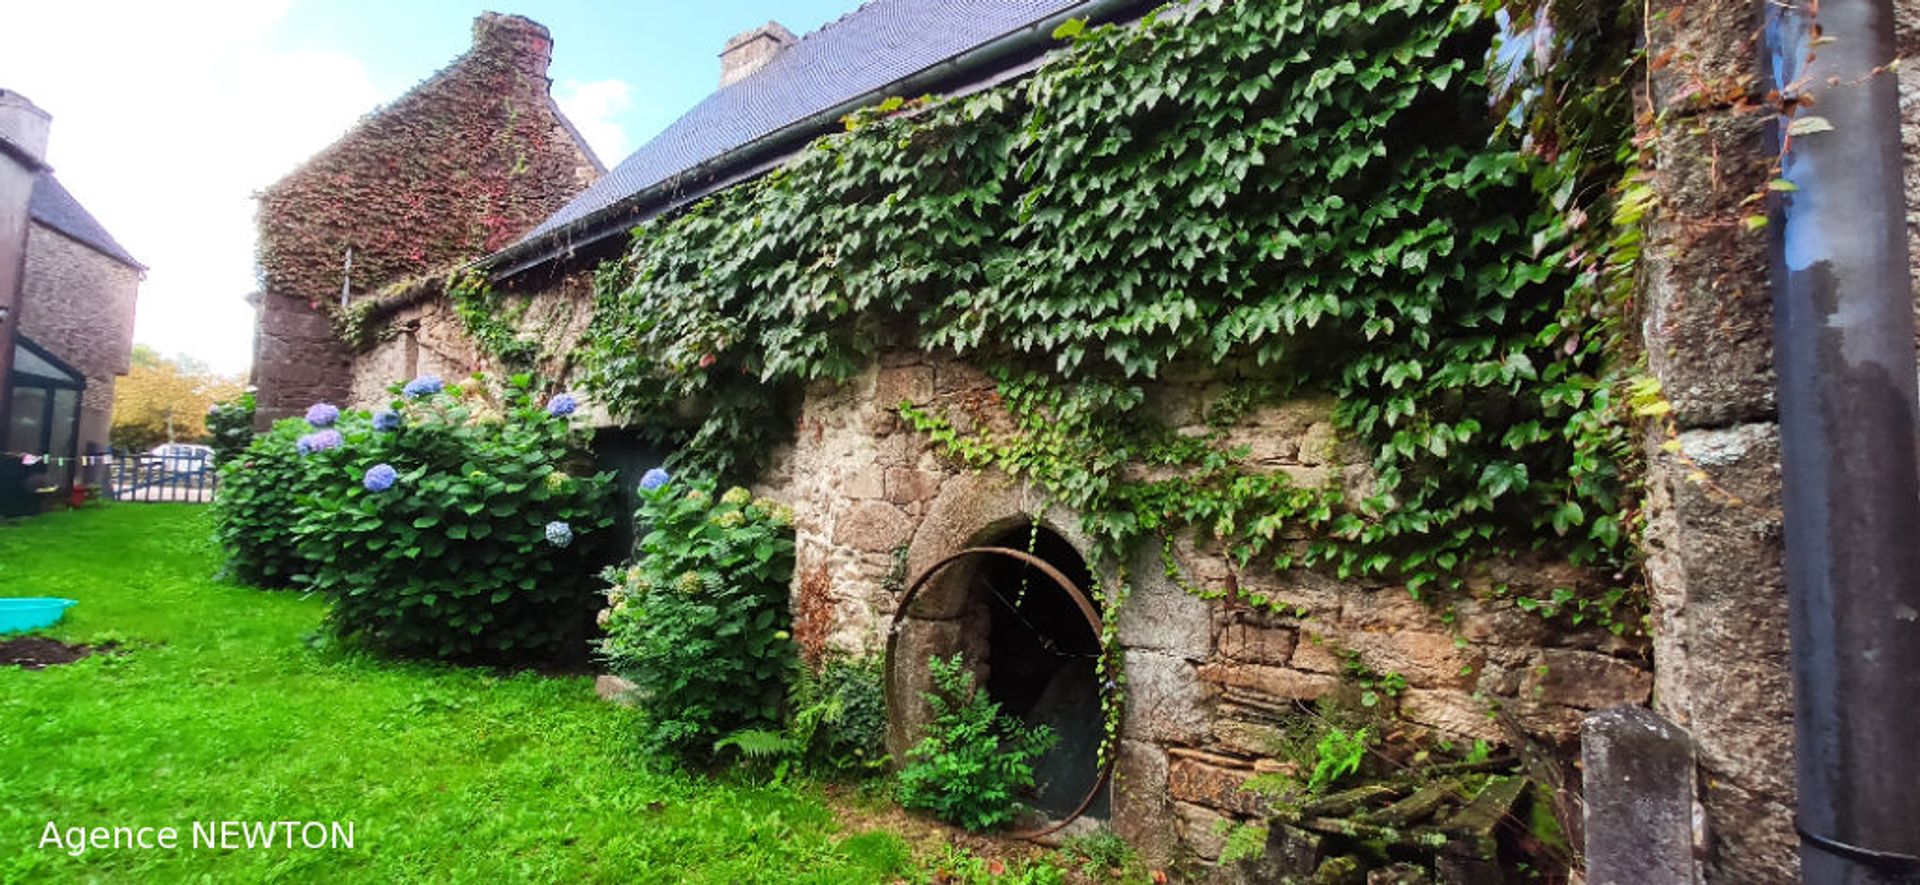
point(1074, 593)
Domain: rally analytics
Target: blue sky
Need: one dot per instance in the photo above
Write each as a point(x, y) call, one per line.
point(169, 116)
point(666, 52)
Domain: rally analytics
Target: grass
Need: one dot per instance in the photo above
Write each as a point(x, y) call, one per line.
point(224, 706)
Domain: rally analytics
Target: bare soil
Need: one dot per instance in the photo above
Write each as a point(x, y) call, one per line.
point(39, 653)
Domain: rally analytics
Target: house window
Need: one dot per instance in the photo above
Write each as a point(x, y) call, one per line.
point(44, 417)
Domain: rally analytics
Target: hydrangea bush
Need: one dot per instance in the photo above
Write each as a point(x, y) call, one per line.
point(700, 623)
point(257, 510)
point(453, 524)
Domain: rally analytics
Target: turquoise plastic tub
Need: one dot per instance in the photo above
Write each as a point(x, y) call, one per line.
point(21, 615)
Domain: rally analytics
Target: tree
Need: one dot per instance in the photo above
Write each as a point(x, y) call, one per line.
point(165, 399)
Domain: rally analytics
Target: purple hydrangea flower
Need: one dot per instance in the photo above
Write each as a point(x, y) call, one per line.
point(559, 534)
point(425, 385)
point(322, 414)
point(386, 421)
point(653, 479)
point(319, 441)
point(380, 477)
point(562, 405)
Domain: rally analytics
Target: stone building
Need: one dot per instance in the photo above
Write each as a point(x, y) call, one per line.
point(72, 332)
point(458, 167)
point(876, 505)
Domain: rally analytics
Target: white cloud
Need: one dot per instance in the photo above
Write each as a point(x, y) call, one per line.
point(593, 107)
point(167, 117)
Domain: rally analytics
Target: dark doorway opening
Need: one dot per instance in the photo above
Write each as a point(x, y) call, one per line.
point(1043, 664)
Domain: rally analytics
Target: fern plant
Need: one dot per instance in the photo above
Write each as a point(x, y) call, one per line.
point(837, 725)
point(1338, 755)
point(974, 760)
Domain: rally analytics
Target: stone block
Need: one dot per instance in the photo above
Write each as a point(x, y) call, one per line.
point(1316, 653)
point(1140, 802)
point(906, 485)
point(864, 483)
point(1246, 738)
point(1709, 53)
point(1276, 682)
point(1722, 666)
point(1587, 680)
point(1708, 318)
point(1162, 617)
point(1202, 830)
point(1451, 711)
point(1209, 783)
point(1638, 785)
point(1255, 644)
point(1165, 699)
point(614, 689)
point(873, 526)
point(1425, 659)
point(897, 384)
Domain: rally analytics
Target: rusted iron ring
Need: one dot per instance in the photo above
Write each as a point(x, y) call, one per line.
point(1073, 592)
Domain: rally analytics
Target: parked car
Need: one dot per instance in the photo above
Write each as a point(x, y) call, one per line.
point(180, 457)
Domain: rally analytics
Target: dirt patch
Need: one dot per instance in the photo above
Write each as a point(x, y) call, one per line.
point(39, 653)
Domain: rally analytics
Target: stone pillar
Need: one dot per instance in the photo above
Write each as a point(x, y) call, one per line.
point(1713, 542)
point(1638, 784)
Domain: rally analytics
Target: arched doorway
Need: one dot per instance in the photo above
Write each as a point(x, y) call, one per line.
point(1043, 663)
point(1028, 642)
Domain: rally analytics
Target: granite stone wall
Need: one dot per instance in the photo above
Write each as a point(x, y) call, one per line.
point(1208, 681)
point(80, 304)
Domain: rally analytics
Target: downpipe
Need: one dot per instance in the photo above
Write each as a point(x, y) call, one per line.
point(1844, 358)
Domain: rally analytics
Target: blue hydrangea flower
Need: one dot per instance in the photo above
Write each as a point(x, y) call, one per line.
point(559, 534)
point(386, 421)
point(380, 477)
point(319, 441)
point(653, 479)
point(562, 405)
point(322, 414)
point(425, 385)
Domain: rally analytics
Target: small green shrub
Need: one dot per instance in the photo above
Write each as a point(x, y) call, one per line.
point(1099, 853)
point(1338, 755)
point(257, 512)
point(974, 760)
point(700, 622)
point(836, 724)
point(230, 427)
point(459, 532)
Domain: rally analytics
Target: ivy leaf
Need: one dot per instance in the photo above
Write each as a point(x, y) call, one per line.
point(1808, 126)
point(1502, 477)
point(1070, 29)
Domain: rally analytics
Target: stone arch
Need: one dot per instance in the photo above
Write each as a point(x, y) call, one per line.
point(1026, 641)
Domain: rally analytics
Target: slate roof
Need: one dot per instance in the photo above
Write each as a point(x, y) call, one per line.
point(882, 42)
point(52, 206)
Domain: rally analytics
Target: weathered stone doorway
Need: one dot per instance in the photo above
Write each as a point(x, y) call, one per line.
point(1028, 642)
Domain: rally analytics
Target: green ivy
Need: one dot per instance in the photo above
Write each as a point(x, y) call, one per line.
point(1299, 198)
point(492, 321)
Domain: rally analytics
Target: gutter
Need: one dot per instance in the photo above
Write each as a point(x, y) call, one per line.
point(769, 149)
point(1844, 358)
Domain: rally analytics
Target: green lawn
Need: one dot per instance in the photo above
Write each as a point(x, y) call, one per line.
point(222, 708)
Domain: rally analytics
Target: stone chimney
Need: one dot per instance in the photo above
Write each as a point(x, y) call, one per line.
point(751, 50)
point(527, 43)
point(23, 125)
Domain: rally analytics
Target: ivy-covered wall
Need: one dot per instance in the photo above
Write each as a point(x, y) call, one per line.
point(1210, 675)
point(455, 169)
point(1393, 315)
